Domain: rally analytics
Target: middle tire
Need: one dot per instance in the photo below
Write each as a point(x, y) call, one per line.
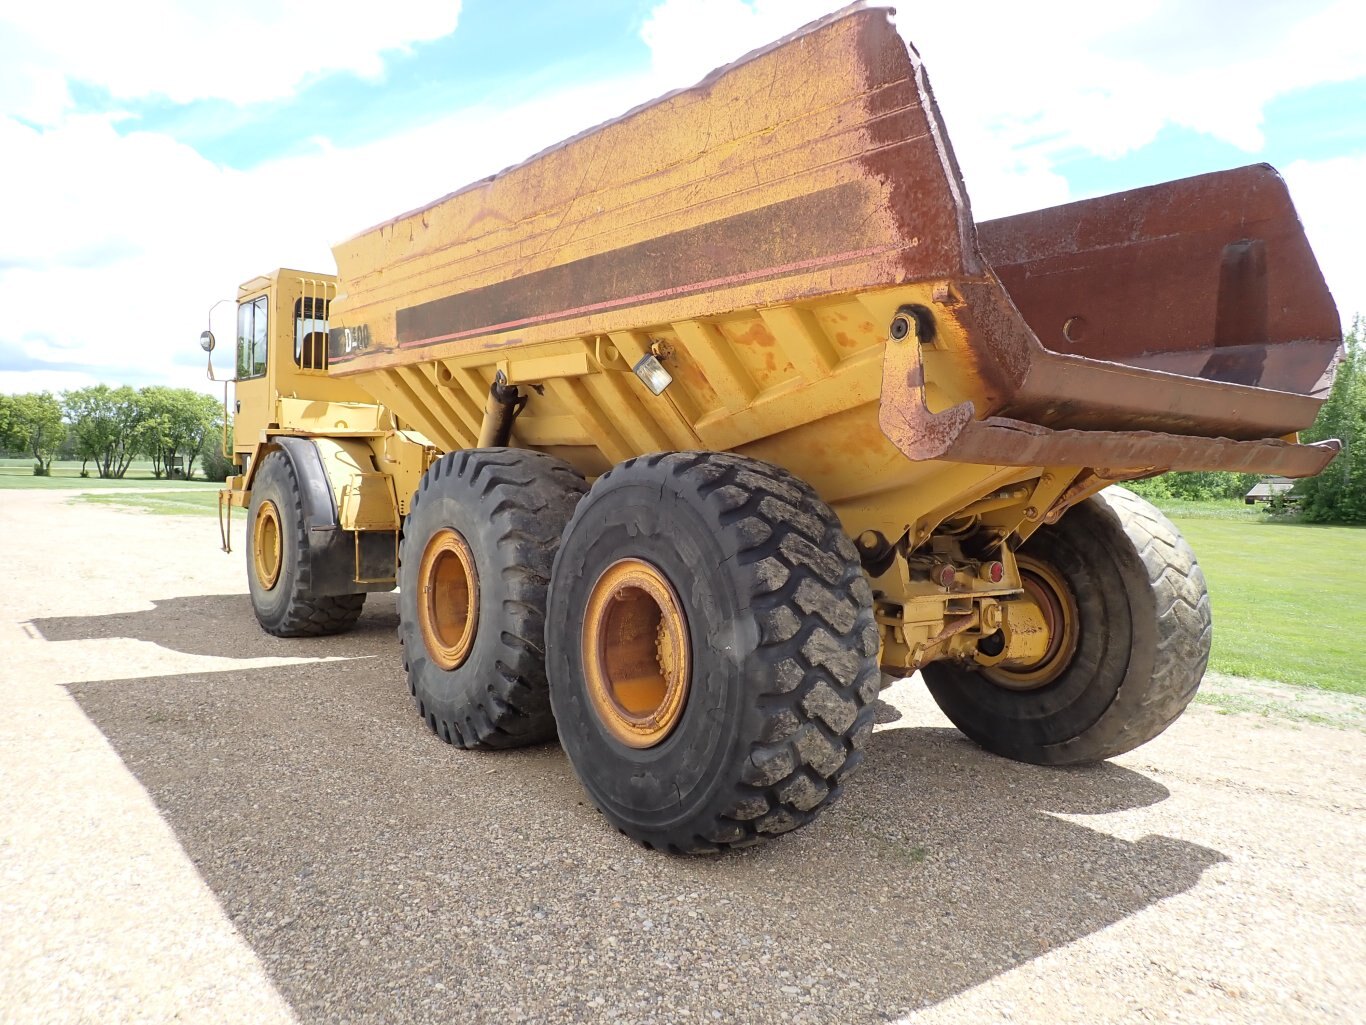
point(711, 649)
point(477, 547)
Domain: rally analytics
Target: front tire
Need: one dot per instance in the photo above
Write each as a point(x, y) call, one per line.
point(281, 563)
point(712, 650)
point(1138, 647)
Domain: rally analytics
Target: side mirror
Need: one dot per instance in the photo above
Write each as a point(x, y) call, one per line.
point(206, 341)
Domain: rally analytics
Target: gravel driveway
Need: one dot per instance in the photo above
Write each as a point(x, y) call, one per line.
point(202, 823)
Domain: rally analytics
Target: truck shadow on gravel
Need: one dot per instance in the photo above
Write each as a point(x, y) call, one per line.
point(383, 876)
point(222, 625)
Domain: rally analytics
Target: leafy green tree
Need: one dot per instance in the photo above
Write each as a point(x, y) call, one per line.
point(83, 439)
point(108, 426)
point(204, 428)
point(1203, 486)
point(175, 423)
point(217, 466)
point(33, 422)
point(8, 441)
point(1338, 495)
point(154, 430)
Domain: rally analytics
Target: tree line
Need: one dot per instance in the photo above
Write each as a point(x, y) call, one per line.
point(1338, 494)
point(108, 428)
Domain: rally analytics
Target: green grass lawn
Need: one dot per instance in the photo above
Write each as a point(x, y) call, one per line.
point(1233, 509)
point(66, 474)
point(1288, 599)
point(200, 502)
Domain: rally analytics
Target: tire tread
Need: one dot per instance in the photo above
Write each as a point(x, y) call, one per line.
point(1167, 598)
point(1181, 653)
point(306, 614)
point(817, 647)
point(530, 495)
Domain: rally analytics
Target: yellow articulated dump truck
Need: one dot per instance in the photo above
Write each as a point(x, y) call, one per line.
point(681, 437)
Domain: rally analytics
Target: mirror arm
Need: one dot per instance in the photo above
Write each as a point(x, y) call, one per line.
point(209, 331)
point(227, 419)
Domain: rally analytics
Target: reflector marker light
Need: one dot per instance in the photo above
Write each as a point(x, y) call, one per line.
point(652, 373)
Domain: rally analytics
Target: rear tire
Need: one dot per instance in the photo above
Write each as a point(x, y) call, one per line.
point(481, 533)
point(763, 604)
point(1142, 642)
point(281, 563)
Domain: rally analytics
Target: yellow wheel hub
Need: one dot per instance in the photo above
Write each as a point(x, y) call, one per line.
point(448, 600)
point(636, 653)
point(1052, 608)
point(267, 547)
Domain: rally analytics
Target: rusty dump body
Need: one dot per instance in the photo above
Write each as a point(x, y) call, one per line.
point(764, 232)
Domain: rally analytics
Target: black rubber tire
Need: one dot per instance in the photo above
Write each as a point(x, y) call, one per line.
point(1143, 642)
point(510, 505)
point(783, 650)
point(290, 609)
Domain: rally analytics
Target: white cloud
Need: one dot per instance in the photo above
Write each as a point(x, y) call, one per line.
point(115, 244)
point(1326, 194)
point(688, 38)
point(183, 50)
point(1105, 78)
point(178, 232)
point(15, 382)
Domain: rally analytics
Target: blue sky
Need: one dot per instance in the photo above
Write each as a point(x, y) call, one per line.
point(500, 52)
point(175, 148)
point(1308, 124)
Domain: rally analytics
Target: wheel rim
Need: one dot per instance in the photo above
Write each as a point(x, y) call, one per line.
point(267, 551)
point(448, 599)
point(636, 653)
point(1046, 588)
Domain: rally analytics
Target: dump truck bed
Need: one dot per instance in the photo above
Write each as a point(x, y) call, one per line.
point(761, 232)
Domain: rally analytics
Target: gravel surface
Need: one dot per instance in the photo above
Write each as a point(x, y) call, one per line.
point(199, 822)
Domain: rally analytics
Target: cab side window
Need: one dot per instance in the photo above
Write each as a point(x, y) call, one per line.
point(252, 335)
point(310, 333)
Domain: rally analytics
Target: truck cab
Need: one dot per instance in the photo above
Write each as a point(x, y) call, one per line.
point(282, 379)
point(324, 470)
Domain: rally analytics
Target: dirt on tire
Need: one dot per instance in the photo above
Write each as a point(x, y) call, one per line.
point(1145, 630)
